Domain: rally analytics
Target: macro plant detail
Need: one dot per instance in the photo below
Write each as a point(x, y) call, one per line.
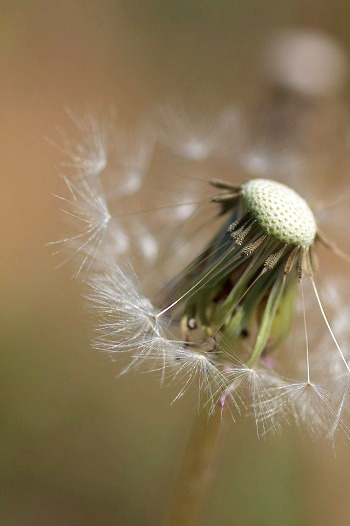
point(209, 282)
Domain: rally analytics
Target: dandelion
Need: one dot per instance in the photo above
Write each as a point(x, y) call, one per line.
point(229, 277)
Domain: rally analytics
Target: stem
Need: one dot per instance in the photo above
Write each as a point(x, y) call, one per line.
point(196, 470)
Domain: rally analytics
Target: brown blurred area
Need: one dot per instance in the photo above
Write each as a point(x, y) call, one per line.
point(77, 445)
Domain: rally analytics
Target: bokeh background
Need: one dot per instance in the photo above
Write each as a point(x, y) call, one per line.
point(77, 445)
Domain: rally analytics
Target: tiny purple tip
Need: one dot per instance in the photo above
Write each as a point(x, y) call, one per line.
point(222, 401)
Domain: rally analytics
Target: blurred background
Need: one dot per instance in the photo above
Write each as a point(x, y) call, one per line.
point(77, 445)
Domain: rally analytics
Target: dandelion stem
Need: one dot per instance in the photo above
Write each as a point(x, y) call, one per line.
point(196, 470)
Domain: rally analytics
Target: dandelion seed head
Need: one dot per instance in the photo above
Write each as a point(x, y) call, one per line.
point(219, 324)
point(281, 212)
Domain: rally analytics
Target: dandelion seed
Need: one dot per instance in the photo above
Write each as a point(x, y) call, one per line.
point(88, 207)
point(197, 366)
point(208, 137)
point(252, 390)
point(86, 150)
point(308, 404)
point(126, 312)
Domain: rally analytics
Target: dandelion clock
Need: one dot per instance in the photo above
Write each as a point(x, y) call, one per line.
point(203, 274)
